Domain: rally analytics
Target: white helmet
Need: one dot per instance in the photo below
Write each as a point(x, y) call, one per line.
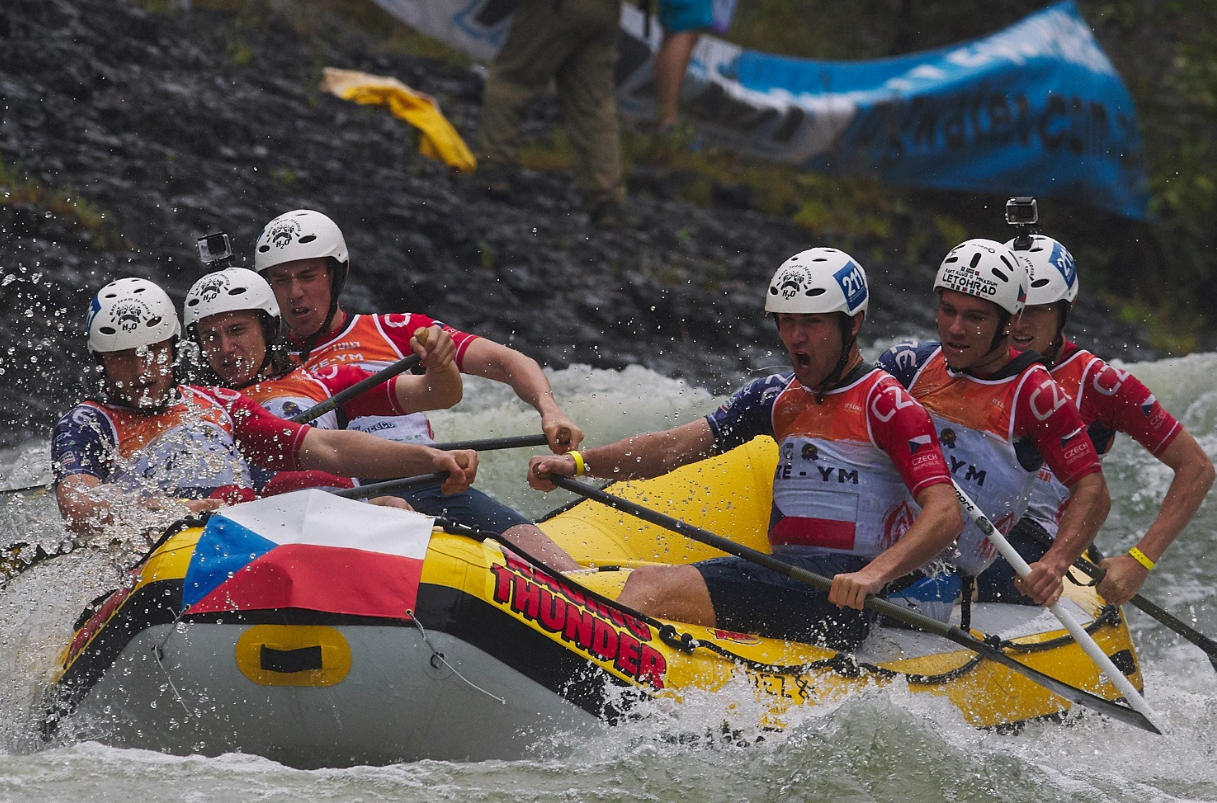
point(1050, 270)
point(129, 313)
point(228, 290)
point(985, 269)
point(818, 280)
point(302, 234)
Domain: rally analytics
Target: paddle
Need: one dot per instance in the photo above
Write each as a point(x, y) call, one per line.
point(408, 483)
point(27, 489)
point(388, 486)
point(1199, 639)
point(1114, 675)
point(882, 606)
point(490, 444)
point(346, 394)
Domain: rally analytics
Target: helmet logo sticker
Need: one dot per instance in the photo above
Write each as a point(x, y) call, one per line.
point(94, 308)
point(1062, 260)
point(210, 290)
point(282, 235)
point(792, 283)
point(852, 285)
point(128, 314)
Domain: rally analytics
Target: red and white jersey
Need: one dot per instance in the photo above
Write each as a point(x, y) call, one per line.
point(1109, 400)
point(300, 390)
point(203, 442)
point(995, 433)
point(849, 465)
point(373, 342)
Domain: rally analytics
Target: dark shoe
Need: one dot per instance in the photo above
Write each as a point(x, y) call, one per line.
point(609, 215)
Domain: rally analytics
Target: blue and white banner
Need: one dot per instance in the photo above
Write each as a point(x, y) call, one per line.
point(1035, 109)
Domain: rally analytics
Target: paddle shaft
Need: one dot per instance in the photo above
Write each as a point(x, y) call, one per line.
point(490, 444)
point(346, 394)
point(882, 606)
point(388, 486)
point(1208, 645)
point(1088, 645)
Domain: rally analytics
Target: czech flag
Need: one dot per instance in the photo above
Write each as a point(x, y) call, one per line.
point(309, 550)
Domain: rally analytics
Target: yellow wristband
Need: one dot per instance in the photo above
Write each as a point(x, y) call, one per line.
point(580, 466)
point(1142, 558)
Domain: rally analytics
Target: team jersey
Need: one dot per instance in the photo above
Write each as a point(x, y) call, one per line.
point(298, 391)
point(1108, 400)
point(848, 467)
point(203, 443)
point(996, 433)
point(373, 342)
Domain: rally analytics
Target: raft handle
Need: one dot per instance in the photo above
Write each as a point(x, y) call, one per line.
point(303, 659)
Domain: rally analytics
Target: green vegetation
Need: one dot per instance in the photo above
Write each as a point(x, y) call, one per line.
point(79, 215)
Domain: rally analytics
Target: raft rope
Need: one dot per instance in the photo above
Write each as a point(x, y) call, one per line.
point(437, 655)
point(158, 652)
point(843, 664)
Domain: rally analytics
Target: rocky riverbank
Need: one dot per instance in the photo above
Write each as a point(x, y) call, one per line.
point(127, 133)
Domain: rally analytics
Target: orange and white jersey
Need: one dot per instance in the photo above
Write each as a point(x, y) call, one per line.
point(373, 342)
point(199, 444)
point(292, 394)
point(996, 433)
point(300, 390)
point(849, 464)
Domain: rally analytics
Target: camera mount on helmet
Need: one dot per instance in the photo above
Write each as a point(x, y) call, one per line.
point(1021, 211)
point(215, 251)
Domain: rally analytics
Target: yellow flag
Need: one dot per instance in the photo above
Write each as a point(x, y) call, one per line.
point(439, 139)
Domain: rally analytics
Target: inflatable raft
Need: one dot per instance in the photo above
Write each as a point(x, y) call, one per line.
point(319, 631)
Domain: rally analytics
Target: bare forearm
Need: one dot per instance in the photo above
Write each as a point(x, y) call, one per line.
point(935, 528)
point(348, 453)
point(82, 510)
point(650, 454)
point(1194, 475)
point(436, 389)
point(444, 386)
point(491, 360)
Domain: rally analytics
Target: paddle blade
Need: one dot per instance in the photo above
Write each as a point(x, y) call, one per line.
point(1071, 693)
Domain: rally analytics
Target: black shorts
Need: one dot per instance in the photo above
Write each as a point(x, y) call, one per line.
point(752, 599)
point(996, 583)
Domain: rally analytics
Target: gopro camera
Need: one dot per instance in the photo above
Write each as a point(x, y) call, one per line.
point(1022, 212)
point(215, 248)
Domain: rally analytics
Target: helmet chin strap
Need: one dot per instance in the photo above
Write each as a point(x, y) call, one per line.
point(335, 289)
point(847, 346)
point(1058, 342)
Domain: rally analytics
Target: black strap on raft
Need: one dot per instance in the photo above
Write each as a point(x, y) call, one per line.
point(965, 601)
point(645, 7)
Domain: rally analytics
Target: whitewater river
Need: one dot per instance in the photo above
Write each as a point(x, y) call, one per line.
point(885, 745)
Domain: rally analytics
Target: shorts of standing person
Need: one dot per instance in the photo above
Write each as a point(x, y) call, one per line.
point(749, 598)
point(470, 507)
point(678, 16)
point(996, 583)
